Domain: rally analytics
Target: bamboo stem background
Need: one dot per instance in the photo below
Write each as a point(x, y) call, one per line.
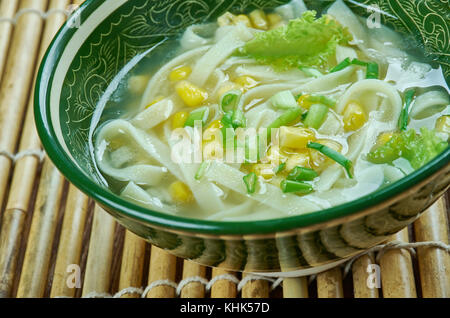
point(47, 226)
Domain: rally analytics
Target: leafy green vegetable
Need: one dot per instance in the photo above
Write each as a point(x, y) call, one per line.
point(304, 42)
point(418, 149)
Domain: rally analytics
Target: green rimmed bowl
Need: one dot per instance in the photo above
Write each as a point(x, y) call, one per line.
point(84, 65)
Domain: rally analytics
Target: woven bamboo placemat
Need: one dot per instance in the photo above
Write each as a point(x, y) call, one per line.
point(55, 242)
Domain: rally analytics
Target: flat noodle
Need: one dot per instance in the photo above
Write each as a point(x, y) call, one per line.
point(154, 115)
point(141, 197)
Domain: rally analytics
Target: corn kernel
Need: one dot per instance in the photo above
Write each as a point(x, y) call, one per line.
point(321, 161)
point(302, 159)
point(191, 95)
point(246, 82)
point(304, 102)
point(180, 192)
point(443, 124)
point(179, 119)
point(226, 19)
point(354, 116)
point(264, 170)
point(180, 73)
point(157, 100)
point(295, 137)
point(242, 18)
point(275, 20)
point(383, 138)
point(259, 19)
point(211, 131)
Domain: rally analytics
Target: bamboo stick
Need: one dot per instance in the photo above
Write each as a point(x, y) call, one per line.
point(162, 267)
point(132, 267)
point(360, 275)
point(397, 276)
point(98, 266)
point(7, 10)
point(16, 83)
point(255, 289)
point(36, 263)
point(329, 284)
point(434, 263)
point(222, 288)
point(70, 244)
point(194, 289)
point(25, 168)
point(296, 287)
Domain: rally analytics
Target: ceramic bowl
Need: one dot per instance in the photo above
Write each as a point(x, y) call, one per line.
point(84, 64)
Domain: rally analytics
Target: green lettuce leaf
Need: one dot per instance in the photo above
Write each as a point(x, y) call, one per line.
point(418, 149)
point(305, 41)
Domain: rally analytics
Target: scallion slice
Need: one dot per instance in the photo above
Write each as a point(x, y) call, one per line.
point(230, 100)
point(283, 100)
point(321, 99)
point(404, 115)
point(280, 168)
point(316, 116)
point(200, 114)
point(289, 186)
point(250, 182)
point(288, 117)
point(346, 62)
point(334, 155)
point(202, 170)
point(302, 174)
point(372, 70)
point(238, 119)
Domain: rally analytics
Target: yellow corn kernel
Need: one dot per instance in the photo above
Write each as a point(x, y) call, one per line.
point(259, 19)
point(242, 18)
point(212, 150)
point(191, 94)
point(295, 137)
point(179, 119)
point(321, 161)
point(180, 192)
point(275, 20)
point(246, 82)
point(157, 100)
point(302, 159)
point(180, 73)
point(383, 138)
point(211, 131)
point(443, 124)
point(226, 19)
point(226, 88)
point(138, 83)
point(304, 102)
point(264, 170)
point(354, 116)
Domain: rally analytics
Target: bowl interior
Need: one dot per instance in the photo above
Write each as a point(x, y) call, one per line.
point(96, 48)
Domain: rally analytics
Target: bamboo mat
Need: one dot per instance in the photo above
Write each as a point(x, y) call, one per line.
point(55, 242)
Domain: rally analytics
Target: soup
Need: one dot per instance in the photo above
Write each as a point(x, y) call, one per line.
point(272, 114)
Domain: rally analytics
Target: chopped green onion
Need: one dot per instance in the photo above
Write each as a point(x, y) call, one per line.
point(316, 116)
point(372, 70)
point(280, 168)
point(288, 117)
point(250, 182)
point(334, 155)
point(346, 62)
point(302, 174)
point(230, 100)
point(238, 119)
point(227, 129)
point(304, 115)
point(283, 100)
point(289, 186)
point(202, 169)
point(200, 114)
point(321, 99)
point(310, 71)
point(359, 62)
point(403, 120)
